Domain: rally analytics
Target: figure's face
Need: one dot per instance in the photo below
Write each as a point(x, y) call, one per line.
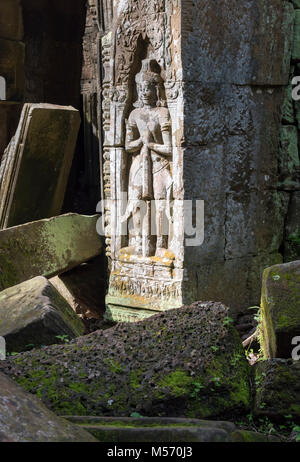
point(147, 93)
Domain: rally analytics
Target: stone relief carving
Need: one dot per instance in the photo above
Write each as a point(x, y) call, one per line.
point(149, 142)
point(141, 107)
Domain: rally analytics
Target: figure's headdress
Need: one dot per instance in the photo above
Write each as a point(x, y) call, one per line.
point(150, 71)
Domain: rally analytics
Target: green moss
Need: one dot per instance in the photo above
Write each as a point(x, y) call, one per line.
point(178, 383)
point(114, 366)
point(135, 378)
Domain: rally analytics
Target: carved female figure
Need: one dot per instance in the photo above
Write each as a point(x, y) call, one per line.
point(148, 140)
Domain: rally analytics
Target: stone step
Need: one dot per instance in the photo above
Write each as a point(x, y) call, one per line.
point(164, 430)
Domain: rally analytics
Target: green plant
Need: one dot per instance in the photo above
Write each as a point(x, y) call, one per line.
point(295, 238)
point(63, 338)
point(214, 348)
point(296, 430)
point(235, 359)
point(266, 426)
point(227, 321)
point(196, 389)
point(136, 415)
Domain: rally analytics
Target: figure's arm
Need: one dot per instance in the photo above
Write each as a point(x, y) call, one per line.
point(133, 142)
point(166, 148)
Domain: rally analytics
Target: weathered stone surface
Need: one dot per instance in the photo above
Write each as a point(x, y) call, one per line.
point(23, 418)
point(236, 283)
point(55, 129)
point(296, 39)
point(9, 118)
point(288, 115)
point(277, 389)
point(184, 362)
point(34, 313)
point(12, 68)
point(249, 229)
point(84, 287)
point(222, 97)
point(289, 161)
point(292, 229)
point(47, 247)
point(11, 22)
point(280, 309)
point(224, 44)
point(296, 3)
point(160, 429)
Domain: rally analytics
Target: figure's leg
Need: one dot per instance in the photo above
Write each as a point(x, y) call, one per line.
point(161, 237)
point(136, 232)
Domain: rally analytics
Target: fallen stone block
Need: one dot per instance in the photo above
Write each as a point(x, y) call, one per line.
point(187, 362)
point(163, 429)
point(277, 383)
point(24, 418)
point(47, 247)
point(280, 309)
point(84, 287)
point(35, 167)
point(34, 313)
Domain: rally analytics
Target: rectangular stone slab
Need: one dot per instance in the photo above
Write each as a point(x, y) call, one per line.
point(47, 247)
point(34, 313)
point(35, 166)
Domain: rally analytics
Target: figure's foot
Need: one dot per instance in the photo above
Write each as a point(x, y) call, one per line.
point(164, 253)
point(131, 250)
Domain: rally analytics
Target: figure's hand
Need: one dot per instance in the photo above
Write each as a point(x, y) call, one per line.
point(146, 138)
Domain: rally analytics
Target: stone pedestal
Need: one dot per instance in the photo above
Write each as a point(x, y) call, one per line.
point(191, 106)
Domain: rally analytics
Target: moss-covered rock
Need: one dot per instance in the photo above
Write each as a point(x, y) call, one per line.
point(277, 384)
point(163, 429)
point(280, 309)
point(47, 247)
point(184, 362)
point(23, 418)
point(34, 313)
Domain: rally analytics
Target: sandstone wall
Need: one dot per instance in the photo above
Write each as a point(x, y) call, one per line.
point(236, 64)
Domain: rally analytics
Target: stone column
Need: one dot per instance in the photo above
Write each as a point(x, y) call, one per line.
point(219, 73)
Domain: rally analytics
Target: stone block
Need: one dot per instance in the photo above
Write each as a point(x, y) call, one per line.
point(12, 55)
point(289, 161)
point(35, 167)
point(292, 229)
point(9, 119)
point(224, 44)
point(34, 313)
point(277, 389)
point(11, 21)
point(24, 419)
point(280, 309)
point(296, 39)
point(151, 429)
point(249, 229)
point(47, 247)
point(187, 361)
point(288, 115)
point(84, 287)
point(235, 282)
